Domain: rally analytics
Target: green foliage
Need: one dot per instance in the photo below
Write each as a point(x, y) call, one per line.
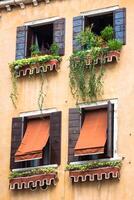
point(86, 79)
point(107, 33)
point(92, 165)
point(114, 45)
point(16, 174)
point(87, 39)
point(54, 49)
point(22, 63)
point(18, 64)
point(35, 50)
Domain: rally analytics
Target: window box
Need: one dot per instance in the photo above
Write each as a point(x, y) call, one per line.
point(35, 65)
point(95, 171)
point(107, 58)
point(31, 179)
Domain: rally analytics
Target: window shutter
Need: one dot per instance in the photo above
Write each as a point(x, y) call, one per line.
point(55, 138)
point(59, 34)
point(110, 130)
point(21, 42)
point(120, 24)
point(17, 132)
point(78, 26)
point(74, 131)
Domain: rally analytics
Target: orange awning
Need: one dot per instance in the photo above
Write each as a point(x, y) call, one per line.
point(92, 136)
point(34, 140)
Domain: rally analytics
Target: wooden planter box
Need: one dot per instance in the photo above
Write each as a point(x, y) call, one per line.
point(37, 68)
point(95, 174)
point(34, 181)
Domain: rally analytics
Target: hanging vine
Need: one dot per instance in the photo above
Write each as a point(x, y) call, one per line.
point(86, 65)
point(85, 80)
point(14, 93)
point(42, 94)
point(32, 63)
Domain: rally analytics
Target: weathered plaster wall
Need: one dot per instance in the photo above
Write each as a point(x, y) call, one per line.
point(118, 83)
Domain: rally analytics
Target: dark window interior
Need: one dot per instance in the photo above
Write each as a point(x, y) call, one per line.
point(99, 22)
point(96, 156)
point(42, 36)
point(38, 162)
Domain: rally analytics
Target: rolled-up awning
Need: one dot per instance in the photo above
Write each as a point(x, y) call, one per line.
point(34, 140)
point(92, 138)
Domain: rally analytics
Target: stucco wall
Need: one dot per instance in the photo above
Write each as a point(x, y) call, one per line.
point(118, 83)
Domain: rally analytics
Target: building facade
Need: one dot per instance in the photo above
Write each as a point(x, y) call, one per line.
point(23, 26)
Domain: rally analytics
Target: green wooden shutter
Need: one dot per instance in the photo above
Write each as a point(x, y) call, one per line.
point(78, 26)
point(21, 42)
point(119, 18)
point(59, 34)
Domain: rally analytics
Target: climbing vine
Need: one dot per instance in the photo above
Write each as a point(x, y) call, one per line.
point(36, 61)
point(87, 65)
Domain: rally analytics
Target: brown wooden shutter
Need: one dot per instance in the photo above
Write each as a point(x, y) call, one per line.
point(55, 138)
point(17, 132)
point(110, 130)
point(119, 18)
point(59, 34)
point(78, 26)
point(21, 42)
point(74, 131)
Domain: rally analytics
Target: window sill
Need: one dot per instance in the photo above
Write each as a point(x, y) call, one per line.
point(35, 65)
point(31, 178)
point(94, 170)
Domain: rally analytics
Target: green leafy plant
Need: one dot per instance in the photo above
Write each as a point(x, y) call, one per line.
point(54, 49)
point(107, 33)
point(86, 79)
point(114, 45)
point(20, 64)
point(35, 50)
point(36, 171)
point(87, 39)
point(93, 164)
point(17, 65)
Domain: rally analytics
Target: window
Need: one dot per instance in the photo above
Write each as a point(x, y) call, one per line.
point(42, 34)
point(42, 37)
point(100, 19)
point(99, 22)
point(36, 140)
point(92, 133)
